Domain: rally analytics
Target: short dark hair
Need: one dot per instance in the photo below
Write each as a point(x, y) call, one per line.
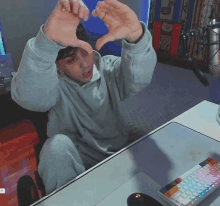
point(69, 51)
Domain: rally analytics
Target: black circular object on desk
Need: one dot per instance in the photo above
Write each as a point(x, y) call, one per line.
point(140, 199)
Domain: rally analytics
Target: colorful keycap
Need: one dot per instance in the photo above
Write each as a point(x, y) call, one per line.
point(172, 191)
point(209, 159)
point(194, 184)
point(169, 186)
point(174, 183)
point(213, 163)
point(178, 180)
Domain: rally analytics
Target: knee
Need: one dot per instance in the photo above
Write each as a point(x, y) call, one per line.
point(55, 145)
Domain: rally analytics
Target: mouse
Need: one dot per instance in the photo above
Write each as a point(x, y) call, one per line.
point(140, 199)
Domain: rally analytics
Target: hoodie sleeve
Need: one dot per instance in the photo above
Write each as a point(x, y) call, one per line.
point(133, 71)
point(35, 84)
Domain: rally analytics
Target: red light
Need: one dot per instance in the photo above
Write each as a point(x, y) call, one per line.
point(137, 195)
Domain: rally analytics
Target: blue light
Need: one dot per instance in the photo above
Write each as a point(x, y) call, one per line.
point(2, 50)
point(145, 11)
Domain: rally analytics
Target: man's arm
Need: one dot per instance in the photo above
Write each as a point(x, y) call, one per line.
point(139, 60)
point(133, 71)
point(35, 84)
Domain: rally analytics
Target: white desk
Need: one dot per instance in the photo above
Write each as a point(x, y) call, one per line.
point(97, 183)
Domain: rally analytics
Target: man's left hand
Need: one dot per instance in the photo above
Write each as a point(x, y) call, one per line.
point(121, 21)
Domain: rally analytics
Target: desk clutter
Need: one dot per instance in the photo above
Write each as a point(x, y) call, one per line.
point(17, 158)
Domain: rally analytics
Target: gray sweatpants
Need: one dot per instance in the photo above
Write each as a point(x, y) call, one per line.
point(61, 162)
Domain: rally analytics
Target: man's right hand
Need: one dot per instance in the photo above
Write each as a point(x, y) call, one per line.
point(62, 23)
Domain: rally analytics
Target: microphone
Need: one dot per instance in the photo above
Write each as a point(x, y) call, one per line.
point(213, 32)
point(213, 40)
point(199, 74)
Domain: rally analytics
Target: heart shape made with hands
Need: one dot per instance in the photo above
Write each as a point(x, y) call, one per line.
point(121, 21)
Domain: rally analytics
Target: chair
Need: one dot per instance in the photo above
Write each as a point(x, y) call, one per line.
point(20, 145)
point(166, 38)
point(40, 120)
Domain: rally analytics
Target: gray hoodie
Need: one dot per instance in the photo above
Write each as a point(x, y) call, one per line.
point(88, 114)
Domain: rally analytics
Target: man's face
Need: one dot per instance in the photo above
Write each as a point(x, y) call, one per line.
point(77, 66)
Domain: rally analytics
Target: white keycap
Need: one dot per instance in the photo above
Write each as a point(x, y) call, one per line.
point(192, 196)
point(183, 176)
point(182, 190)
point(177, 195)
point(188, 192)
point(184, 195)
point(186, 201)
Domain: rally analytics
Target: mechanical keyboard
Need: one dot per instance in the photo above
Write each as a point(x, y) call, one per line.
point(194, 185)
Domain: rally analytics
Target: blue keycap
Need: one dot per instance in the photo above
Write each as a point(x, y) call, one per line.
point(202, 164)
point(163, 190)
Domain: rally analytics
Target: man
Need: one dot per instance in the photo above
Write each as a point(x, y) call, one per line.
point(83, 98)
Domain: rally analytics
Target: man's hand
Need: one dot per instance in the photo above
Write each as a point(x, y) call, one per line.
point(62, 23)
point(121, 21)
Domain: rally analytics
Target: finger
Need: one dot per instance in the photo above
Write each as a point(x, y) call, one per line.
point(81, 12)
point(80, 9)
point(75, 4)
point(94, 13)
point(86, 17)
point(116, 4)
point(63, 4)
point(102, 10)
point(103, 40)
point(67, 5)
point(103, 5)
point(85, 11)
point(100, 13)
